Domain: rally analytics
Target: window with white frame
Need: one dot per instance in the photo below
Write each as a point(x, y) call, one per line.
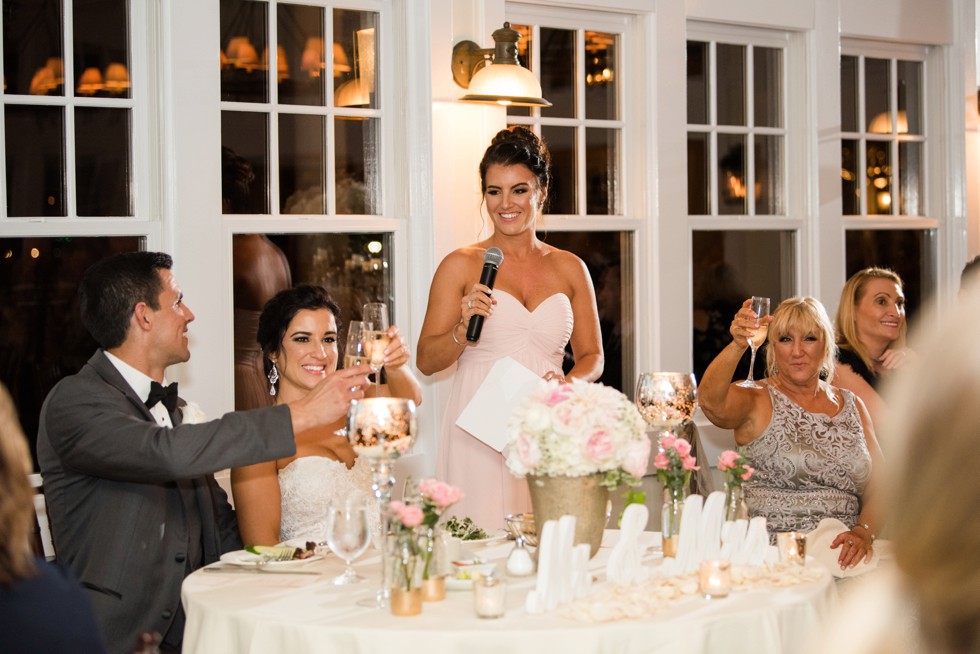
point(738, 126)
point(578, 57)
point(884, 152)
point(74, 124)
point(301, 134)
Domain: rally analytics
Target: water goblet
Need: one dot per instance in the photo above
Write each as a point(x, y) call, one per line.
point(760, 306)
point(348, 535)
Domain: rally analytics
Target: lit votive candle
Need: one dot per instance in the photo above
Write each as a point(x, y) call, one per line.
point(489, 594)
point(716, 578)
point(792, 547)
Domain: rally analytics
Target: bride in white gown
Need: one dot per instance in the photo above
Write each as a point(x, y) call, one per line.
point(288, 498)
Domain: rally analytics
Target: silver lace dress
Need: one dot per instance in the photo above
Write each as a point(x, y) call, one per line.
point(809, 466)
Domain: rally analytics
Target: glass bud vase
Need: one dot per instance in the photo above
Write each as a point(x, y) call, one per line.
point(406, 574)
point(671, 518)
point(735, 507)
point(431, 552)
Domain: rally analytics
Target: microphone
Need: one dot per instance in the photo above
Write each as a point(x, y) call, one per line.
point(491, 259)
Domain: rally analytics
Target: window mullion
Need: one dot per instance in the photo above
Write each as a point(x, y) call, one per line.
point(750, 199)
point(713, 208)
point(69, 89)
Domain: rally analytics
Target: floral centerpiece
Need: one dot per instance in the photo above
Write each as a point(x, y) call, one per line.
point(737, 471)
point(573, 442)
point(436, 496)
point(406, 594)
point(674, 465)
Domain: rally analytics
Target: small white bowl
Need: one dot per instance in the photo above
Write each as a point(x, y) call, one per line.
point(474, 567)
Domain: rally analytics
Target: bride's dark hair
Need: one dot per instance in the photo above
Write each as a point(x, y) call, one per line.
point(518, 145)
point(280, 311)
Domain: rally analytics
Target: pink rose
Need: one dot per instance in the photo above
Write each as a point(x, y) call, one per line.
point(557, 395)
point(600, 446)
point(689, 463)
point(440, 493)
point(727, 460)
point(637, 458)
point(748, 473)
point(661, 461)
point(667, 441)
point(682, 447)
point(528, 452)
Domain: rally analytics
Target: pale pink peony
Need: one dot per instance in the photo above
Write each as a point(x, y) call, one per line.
point(440, 493)
point(637, 458)
point(528, 452)
point(727, 460)
point(557, 395)
point(600, 446)
point(682, 446)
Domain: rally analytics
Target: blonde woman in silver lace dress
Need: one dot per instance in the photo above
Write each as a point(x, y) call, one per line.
point(812, 444)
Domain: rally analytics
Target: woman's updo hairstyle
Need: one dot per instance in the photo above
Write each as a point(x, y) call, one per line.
point(518, 145)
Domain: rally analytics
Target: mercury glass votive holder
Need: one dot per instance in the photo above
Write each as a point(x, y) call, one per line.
point(792, 547)
point(715, 579)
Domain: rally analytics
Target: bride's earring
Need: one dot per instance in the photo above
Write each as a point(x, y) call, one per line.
point(273, 378)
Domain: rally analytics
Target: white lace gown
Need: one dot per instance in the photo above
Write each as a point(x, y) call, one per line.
point(308, 485)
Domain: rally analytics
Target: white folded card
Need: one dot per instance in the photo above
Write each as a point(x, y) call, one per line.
point(505, 387)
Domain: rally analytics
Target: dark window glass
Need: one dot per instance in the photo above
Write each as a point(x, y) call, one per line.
point(849, 93)
point(561, 144)
point(767, 92)
point(768, 175)
point(41, 335)
point(877, 91)
point(732, 180)
point(728, 269)
point(850, 186)
point(601, 83)
point(355, 42)
point(731, 84)
point(354, 268)
point(558, 72)
point(32, 47)
point(698, 191)
point(300, 64)
point(601, 171)
point(101, 47)
point(302, 165)
point(607, 256)
point(909, 97)
point(244, 39)
point(909, 252)
point(910, 178)
point(35, 156)
point(102, 162)
point(697, 83)
point(246, 135)
point(878, 180)
point(358, 183)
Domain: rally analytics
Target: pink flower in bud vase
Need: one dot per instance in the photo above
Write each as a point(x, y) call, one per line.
point(689, 463)
point(661, 461)
point(409, 516)
point(748, 473)
point(440, 493)
point(727, 460)
point(668, 441)
point(682, 446)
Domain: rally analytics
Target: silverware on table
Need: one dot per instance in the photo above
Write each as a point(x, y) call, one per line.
point(258, 569)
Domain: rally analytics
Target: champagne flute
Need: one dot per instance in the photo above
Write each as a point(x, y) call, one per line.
point(375, 314)
point(355, 352)
point(760, 305)
point(348, 535)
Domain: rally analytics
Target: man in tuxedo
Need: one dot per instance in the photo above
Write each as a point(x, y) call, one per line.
point(130, 491)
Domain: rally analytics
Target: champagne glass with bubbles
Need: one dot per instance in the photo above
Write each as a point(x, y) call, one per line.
point(356, 351)
point(348, 534)
point(760, 305)
point(375, 315)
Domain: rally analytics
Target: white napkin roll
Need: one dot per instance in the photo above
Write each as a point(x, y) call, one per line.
point(756, 541)
point(687, 543)
point(624, 566)
point(712, 518)
point(818, 546)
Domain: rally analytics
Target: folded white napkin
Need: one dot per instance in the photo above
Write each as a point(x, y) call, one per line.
point(624, 566)
point(732, 537)
point(712, 518)
point(756, 542)
point(687, 538)
point(818, 546)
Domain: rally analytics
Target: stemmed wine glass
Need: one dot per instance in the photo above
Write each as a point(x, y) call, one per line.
point(381, 429)
point(348, 534)
point(760, 305)
point(666, 400)
point(375, 315)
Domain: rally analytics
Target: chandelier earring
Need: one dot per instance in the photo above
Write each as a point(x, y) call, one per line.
point(273, 378)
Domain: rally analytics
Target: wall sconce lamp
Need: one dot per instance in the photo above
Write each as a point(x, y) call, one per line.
point(494, 75)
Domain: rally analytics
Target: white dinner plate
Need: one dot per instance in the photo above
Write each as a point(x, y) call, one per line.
point(243, 558)
point(501, 536)
point(452, 583)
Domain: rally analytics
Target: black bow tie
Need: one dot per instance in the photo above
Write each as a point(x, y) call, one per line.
point(165, 394)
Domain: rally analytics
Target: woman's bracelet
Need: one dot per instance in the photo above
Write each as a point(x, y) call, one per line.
point(452, 332)
point(867, 528)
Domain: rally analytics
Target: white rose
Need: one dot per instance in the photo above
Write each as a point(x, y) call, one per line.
point(192, 414)
point(537, 419)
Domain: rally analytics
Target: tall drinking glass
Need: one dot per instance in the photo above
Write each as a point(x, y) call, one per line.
point(355, 353)
point(375, 315)
point(760, 306)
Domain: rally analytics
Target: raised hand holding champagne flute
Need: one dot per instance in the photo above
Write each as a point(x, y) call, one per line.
point(757, 335)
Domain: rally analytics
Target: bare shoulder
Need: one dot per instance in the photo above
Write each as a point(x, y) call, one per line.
point(567, 264)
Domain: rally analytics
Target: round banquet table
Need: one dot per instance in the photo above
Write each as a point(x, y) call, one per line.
point(264, 613)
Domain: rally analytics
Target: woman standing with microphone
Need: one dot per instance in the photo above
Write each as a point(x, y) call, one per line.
point(541, 299)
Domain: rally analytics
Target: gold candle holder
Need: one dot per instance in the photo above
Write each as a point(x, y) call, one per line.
point(434, 589)
point(406, 602)
point(716, 579)
point(792, 547)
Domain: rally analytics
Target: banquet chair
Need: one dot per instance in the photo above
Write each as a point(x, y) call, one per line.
point(41, 539)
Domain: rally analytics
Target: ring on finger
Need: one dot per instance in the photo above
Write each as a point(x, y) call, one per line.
point(850, 542)
point(469, 304)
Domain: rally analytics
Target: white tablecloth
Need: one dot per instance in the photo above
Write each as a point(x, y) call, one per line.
point(267, 613)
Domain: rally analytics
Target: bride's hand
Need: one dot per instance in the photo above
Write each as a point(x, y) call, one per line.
point(397, 352)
